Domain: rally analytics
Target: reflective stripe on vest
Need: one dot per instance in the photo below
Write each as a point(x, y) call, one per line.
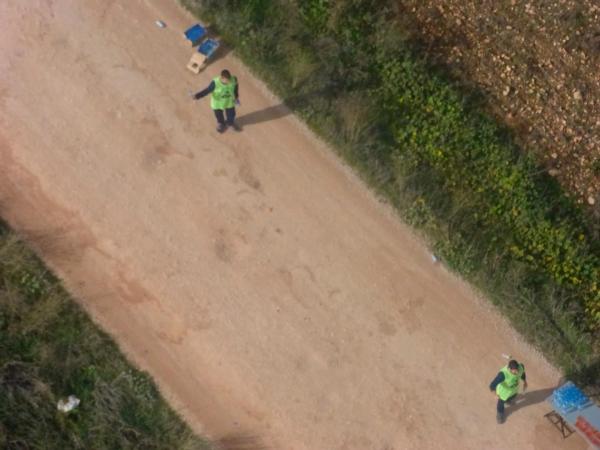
point(510, 385)
point(223, 97)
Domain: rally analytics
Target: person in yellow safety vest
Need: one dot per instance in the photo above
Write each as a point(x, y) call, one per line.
point(506, 386)
point(224, 96)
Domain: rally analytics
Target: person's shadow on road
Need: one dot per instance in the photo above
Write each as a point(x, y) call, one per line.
point(529, 399)
point(277, 111)
point(264, 115)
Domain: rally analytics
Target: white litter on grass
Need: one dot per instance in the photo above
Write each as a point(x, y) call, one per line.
point(434, 258)
point(160, 24)
point(68, 405)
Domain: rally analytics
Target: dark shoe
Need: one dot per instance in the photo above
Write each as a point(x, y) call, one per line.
point(236, 127)
point(500, 418)
point(221, 128)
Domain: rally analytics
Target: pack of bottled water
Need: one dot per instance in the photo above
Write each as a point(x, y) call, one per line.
point(568, 398)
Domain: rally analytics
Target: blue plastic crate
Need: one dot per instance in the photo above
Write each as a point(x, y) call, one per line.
point(568, 398)
point(208, 47)
point(195, 33)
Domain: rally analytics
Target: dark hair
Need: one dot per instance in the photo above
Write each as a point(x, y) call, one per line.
point(226, 74)
point(513, 364)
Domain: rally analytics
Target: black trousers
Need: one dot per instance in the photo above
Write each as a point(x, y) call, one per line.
point(500, 405)
point(229, 113)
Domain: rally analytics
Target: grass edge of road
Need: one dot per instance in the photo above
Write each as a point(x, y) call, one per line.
point(50, 349)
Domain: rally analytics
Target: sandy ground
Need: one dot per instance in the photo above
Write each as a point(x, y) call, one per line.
point(259, 282)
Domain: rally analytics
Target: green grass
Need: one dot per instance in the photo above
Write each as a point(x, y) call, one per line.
point(425, 145)
point(50, 349)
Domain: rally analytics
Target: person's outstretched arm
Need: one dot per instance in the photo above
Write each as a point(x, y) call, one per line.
point(205, 92)
point(496, 381)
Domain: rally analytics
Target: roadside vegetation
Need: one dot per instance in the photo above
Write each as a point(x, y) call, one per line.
point(537, 64)
point(50, 349)
point(427, 144)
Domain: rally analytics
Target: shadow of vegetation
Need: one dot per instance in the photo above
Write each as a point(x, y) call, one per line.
point(241, 442)
point(588, 376)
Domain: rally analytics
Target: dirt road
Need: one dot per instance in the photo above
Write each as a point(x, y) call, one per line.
point(258, 281)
